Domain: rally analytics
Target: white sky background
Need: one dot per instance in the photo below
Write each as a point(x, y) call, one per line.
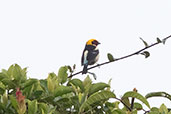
point(44, 35)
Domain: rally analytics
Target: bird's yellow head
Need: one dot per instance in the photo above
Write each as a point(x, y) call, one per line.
point(93, 42)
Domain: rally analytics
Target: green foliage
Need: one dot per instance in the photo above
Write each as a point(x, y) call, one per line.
point(58, 94)
point(13, 77)
point(62, 74)
point(146, 54)
point(158, 40)
point(159, 94)
point(96, 97)
point(32, 107)
point(165, 39)
point(59, 91)
point(145, 43)
point(13, 102)
point(137, 106)
point(136, 95)
point(110, 57)
point(162, 110)
point(77, 83)
point(96, 87)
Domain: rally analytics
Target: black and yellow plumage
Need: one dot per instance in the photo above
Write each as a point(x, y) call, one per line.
point(90, 54)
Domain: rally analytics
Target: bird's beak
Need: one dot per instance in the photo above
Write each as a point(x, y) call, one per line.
point(99, 43)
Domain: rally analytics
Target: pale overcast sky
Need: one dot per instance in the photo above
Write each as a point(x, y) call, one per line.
point(44, 35)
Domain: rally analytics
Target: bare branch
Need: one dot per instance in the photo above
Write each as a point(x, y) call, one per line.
point(117, 59)
point(124, 104)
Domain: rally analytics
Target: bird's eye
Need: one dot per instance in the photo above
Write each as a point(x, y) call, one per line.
point(95, 42)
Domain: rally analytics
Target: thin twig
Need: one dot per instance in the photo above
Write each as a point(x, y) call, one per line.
point(132, 101)
point(145, 112)
point(117, 59)
point(124, 104)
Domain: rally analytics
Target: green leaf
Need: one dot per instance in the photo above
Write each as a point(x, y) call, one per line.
point(37, 94)
point(109, 83)
point(77, 83)
point(126, 101)
point(80, 97)
point(116, 104)
point(117, 111)
point(28, 91)
point(111, 106)
point(43, 107)
point(164, 41)
point(163, 109)
point(48, 99)
point(10, 71)
point(61, 99)
point(138, 106)
point(2, 91)
point(62, 90)
point(70, 69)
point(13, 102)
point(87, 83)
point(52, 75)
point(83, 98)
point(137, 96)
point(2, 76)
point(134, 111)
point(74, 66)
point(38, 86)
point(96, 87)
point(2, 106)
point(43, 84)
point(42, 111)
point(52, 110)
point(8, 82)
point(2, 88)
point(158, 94)
point(110, 57)
point(145, 43)
point(30, 82)
point(153, 112)
point(4, 99)
point(50, 84)
point(17, 72)
point(98, 96)
point(146, 54)
point(154, 109)
point(62, 74)
point(32, 107)
point(158, 40)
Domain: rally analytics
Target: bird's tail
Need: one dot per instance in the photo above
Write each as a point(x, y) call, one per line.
point(85, 69)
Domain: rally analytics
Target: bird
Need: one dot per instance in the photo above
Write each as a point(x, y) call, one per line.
point(90, 54)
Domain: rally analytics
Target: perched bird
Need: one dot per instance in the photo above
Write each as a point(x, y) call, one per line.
point(90, 54)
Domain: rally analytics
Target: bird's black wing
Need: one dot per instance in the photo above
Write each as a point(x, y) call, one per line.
point(82, 58)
